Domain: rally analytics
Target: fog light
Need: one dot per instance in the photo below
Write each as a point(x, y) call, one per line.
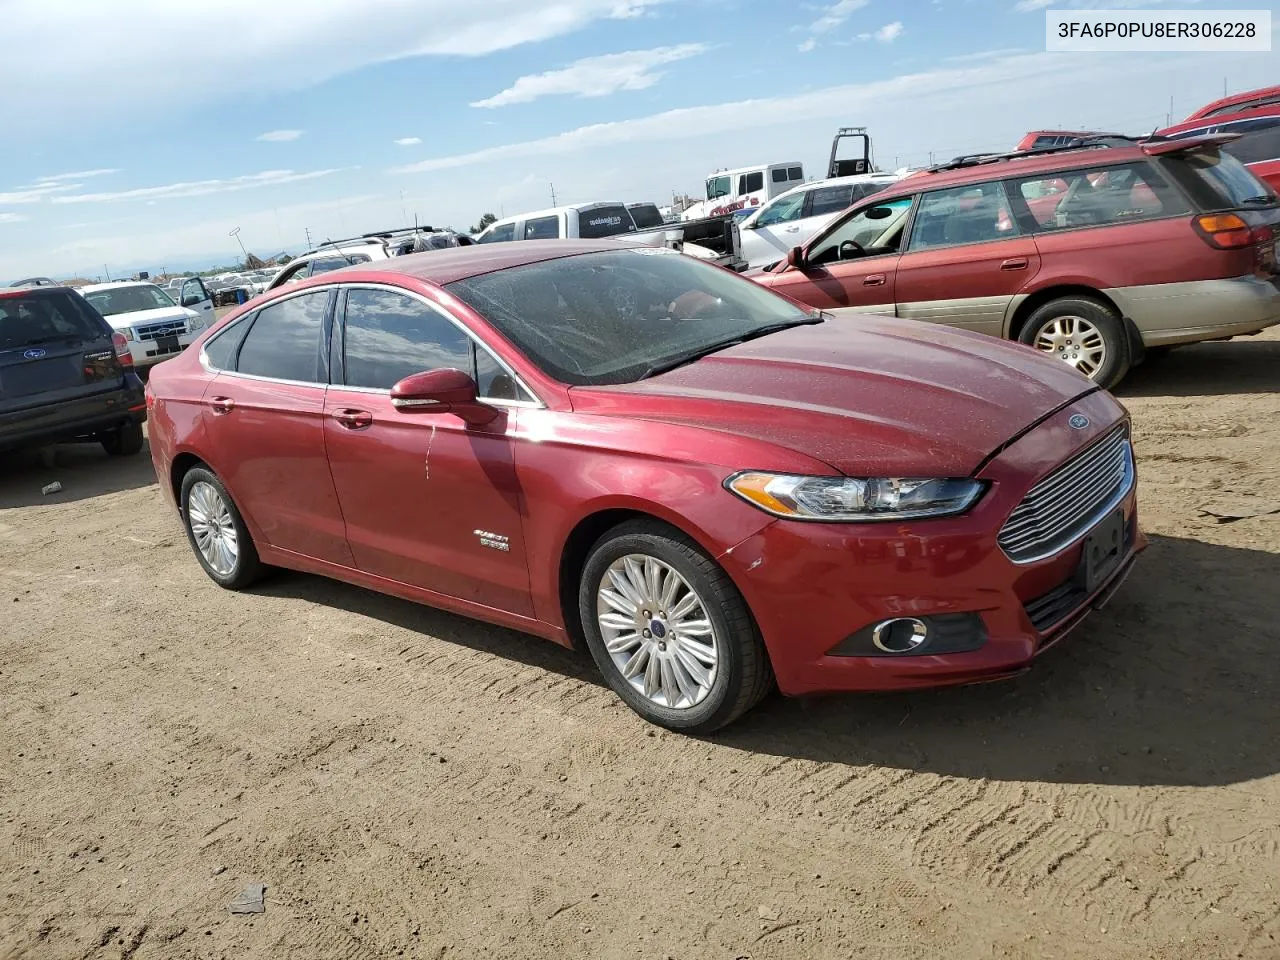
point(900, 635)
point(926, 635)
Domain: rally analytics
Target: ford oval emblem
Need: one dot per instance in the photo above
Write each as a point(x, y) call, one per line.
point(35, 353)
point(1078, 421)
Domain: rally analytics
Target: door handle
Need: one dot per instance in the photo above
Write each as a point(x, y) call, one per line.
point(875, 280)
point(221, 406)
point(793, 230)
point(1014, 263)
point(353, 419)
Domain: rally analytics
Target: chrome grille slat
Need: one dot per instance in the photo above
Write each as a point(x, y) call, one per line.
point(166, 328)
point(1056, 510)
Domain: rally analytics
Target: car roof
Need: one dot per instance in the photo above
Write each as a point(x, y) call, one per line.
point(878, 177)
point(556, 211)
point(754, 167)
point(115, 285)
point(1236, 99)
point(440, 267)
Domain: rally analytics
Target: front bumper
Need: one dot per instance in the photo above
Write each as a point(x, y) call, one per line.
point(811, 586)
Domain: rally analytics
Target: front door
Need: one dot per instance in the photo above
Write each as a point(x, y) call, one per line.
point(195, 297)
point(851, 267)
point(265, 423)
point(429, 500)
point(965, 260)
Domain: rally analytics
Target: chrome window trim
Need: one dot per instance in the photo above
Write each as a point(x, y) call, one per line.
point(534, 404)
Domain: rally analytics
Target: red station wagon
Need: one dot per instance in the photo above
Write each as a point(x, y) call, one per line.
point(1091, 254)
point(705, 484)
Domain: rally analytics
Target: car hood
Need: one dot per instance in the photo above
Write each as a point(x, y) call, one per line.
point(866, 395)
point(140, 318)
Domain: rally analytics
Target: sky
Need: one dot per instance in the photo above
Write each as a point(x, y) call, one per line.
point(140, 133)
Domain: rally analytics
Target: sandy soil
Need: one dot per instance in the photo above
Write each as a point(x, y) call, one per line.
point(408, 783)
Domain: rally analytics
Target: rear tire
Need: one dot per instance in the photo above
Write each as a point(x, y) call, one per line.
point(216, 531)
point(706, 655)
point(1085, 334)
point(124, 442)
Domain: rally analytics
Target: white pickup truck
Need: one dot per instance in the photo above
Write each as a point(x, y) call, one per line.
point(714, 238)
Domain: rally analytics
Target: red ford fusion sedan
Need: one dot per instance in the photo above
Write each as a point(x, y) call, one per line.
point(706, 485)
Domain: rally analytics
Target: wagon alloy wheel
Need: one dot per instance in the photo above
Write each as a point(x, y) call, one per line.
point(213, 528)
point(657, 631)
point(1076, 341)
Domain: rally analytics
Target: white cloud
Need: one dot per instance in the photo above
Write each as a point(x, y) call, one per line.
point(1031, 6)
point(985, 55)
point(12, 218)
point(595, 76)
point(889, 32)
point(78, 175)
point(407, 141)
point(198, 188)
point(279, 136)
point(807, 45)
point(245, 47)
point(836, 14)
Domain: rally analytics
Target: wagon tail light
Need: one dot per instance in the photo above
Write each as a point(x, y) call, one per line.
point(121, 343)
point(1228, 231)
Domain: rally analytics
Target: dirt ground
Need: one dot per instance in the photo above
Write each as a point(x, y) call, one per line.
point(409, 783)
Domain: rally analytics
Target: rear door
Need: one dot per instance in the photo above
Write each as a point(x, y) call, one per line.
point(966, 259)
point(265, 424)
point(53, 348)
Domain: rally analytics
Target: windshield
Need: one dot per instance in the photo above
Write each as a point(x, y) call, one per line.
point(129, 299)
point(645, 215)
point(718, 187)
point(595, 223)
point(603, 318)
point(27, 321)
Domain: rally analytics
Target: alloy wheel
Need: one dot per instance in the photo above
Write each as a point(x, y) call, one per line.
point(213, 528)
point(1075, 341)
point(657, 632)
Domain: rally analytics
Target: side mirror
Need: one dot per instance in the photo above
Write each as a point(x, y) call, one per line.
point(191, 299)
point(441, 391)
point(796, 258)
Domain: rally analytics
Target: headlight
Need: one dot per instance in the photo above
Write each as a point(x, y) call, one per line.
point(194, 323)
point(846, 500)
point(128, 332)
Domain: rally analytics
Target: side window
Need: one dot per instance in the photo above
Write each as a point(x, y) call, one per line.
point(795, 173)
point(742, 184)
point(192, 292)
point(782, 210)
point(284, 341)
point(1097, 196)
point(543, 228)
point(872, 231)
point(825, 200)
point(499, 234)
point(325, 264)
point(969, 214)
point(221, 350)
point(755, 181)
point(389, 335)
point(778, 175)
point(493, 382)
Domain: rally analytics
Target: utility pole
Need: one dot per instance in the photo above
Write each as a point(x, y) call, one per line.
point(1169, 115)
point(553, 194)
point(106, 271)
point(403, 213)
point(308, 231)
point(1224, 87)
point(236, 233)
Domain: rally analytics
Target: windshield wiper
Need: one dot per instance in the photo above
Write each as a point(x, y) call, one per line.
point(1260, 199)
point(689, 356)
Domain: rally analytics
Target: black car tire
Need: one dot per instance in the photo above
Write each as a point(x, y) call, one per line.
point(123, 442)
point(1118, 355)
point(743, 672)
point(248, 568)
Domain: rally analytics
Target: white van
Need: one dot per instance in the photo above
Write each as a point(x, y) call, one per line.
point(730, 190)
point(588, 221)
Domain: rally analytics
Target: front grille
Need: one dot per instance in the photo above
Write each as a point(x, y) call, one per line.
point(1066, 503)
point(166, 328)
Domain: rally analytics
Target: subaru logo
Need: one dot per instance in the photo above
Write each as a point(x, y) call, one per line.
point(35, 353)
point(1078, 421)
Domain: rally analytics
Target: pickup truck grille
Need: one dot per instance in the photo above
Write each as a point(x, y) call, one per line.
point(166, 328)
point(1064, 505)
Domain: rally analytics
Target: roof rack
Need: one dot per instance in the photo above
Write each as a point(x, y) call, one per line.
point(1080, 143)
point(378, 236)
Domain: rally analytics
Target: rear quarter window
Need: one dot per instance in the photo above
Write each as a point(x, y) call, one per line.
point(1097, 196)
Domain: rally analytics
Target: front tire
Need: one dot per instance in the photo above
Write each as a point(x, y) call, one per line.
point(123, 442)
point(1083, 333)
point(217, 532)
point(669, 631)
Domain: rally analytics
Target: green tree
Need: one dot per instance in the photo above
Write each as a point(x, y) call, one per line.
point(487, 219)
